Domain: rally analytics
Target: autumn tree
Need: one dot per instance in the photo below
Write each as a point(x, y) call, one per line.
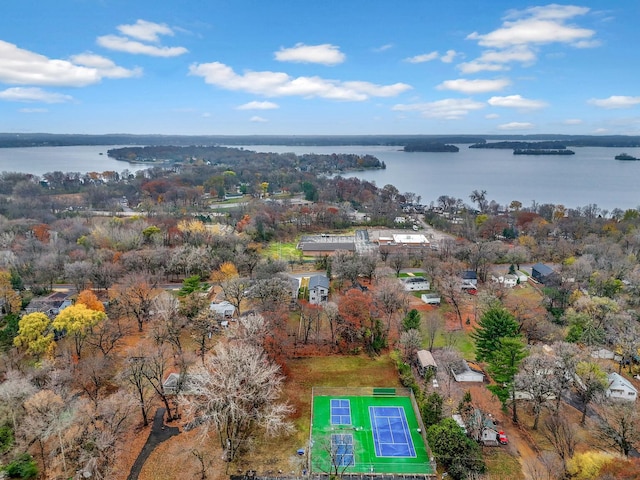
point(90, 300)
point(35, 334)
point(77, 321)
point(9, 298)
point(236, 394)
point(358, 321)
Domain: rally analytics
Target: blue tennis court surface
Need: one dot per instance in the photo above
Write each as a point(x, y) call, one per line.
point(342, 450)
point(340, 411)
point(391, 436)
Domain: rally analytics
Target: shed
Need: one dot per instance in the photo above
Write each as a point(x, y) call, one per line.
point(425, 362)
point(620, 388)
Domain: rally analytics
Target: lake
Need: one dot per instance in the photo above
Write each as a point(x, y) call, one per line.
point(591, 176)
point(83, 159)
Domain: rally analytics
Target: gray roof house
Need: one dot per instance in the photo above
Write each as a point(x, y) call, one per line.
point(541, 272)
point(425, 361)
point(318, 289)
point(224, 309)
point(464, 373)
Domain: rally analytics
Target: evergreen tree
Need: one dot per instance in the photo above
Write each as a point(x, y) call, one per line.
point(495, 324)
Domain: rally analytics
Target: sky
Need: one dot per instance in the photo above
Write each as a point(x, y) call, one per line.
point(310, 67)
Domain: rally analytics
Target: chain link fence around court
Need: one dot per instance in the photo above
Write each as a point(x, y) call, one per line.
point(370, 392)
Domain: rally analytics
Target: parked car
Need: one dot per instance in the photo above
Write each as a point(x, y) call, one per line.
point(502, 438)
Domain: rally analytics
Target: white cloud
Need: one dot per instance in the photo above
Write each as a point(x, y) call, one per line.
point(279, 84)
point(601, 130)
point(425, 57)
point(105, 67)
point(516, 126)
point(474, 86)
point(449, 56)
point(428, 57)
point(145, 31)
point(383, 48)
point(491, 116)
point(206, 115)
point(573, 121)
point(448, 109)
point(537, 25)
point(257, 119)
point(258, 106)
point(615, 101)
point(475, 66)
point(516, 101)
point(18, 66)
point(124, 44)
point(33, 94)
point(522, 31)
point(33, 110)
point(325, 54)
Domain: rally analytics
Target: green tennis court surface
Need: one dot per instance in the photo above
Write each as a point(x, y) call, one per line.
point(367, 434)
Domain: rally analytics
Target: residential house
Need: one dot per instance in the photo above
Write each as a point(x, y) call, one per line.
point(318, 289)
point(542, 273)
point(415, 284)
point(224, 309)
point(620, 388)
point(425, 362)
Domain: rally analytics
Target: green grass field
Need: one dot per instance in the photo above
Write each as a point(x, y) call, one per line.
point(365, 458)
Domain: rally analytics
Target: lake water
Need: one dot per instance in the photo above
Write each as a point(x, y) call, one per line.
point(590, 176)
point(83, 159)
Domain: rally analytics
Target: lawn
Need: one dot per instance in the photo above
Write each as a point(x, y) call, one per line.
point(282, 250)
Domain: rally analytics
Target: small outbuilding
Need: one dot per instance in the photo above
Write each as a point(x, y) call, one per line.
point(425, 362)
point(224, 309)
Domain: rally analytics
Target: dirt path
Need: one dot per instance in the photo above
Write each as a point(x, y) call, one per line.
point(159, 433)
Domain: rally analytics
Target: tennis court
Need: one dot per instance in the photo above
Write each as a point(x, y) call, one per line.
point(367, 434)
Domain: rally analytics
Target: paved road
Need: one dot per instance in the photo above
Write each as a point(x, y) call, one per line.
point(159, 433)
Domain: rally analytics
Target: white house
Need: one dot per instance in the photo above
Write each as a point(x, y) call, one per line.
point(224, 309)
point(620, 388)
point(464, 373)
point(415, 284)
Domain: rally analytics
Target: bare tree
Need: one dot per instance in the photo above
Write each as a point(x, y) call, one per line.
point(449, 282)
point(15, 389)
point(536, 382)
point(409, 342)
point(108, 335)
point(619, 426)
point(391, 299)
point(433, 323)
point(134, 297)
point(236, 393)
point(235, 290)
point(133, 374)
point(562, 435)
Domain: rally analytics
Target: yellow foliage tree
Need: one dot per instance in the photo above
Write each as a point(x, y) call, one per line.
point(12, 302)
point(587, 465)
point(35, 334)
point(89, 300)
point(226, 272)
point(77, 321)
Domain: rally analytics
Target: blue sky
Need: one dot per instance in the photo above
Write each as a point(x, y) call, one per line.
point(319, 67)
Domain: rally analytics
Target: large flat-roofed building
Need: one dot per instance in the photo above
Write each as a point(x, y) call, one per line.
point(326, 244)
